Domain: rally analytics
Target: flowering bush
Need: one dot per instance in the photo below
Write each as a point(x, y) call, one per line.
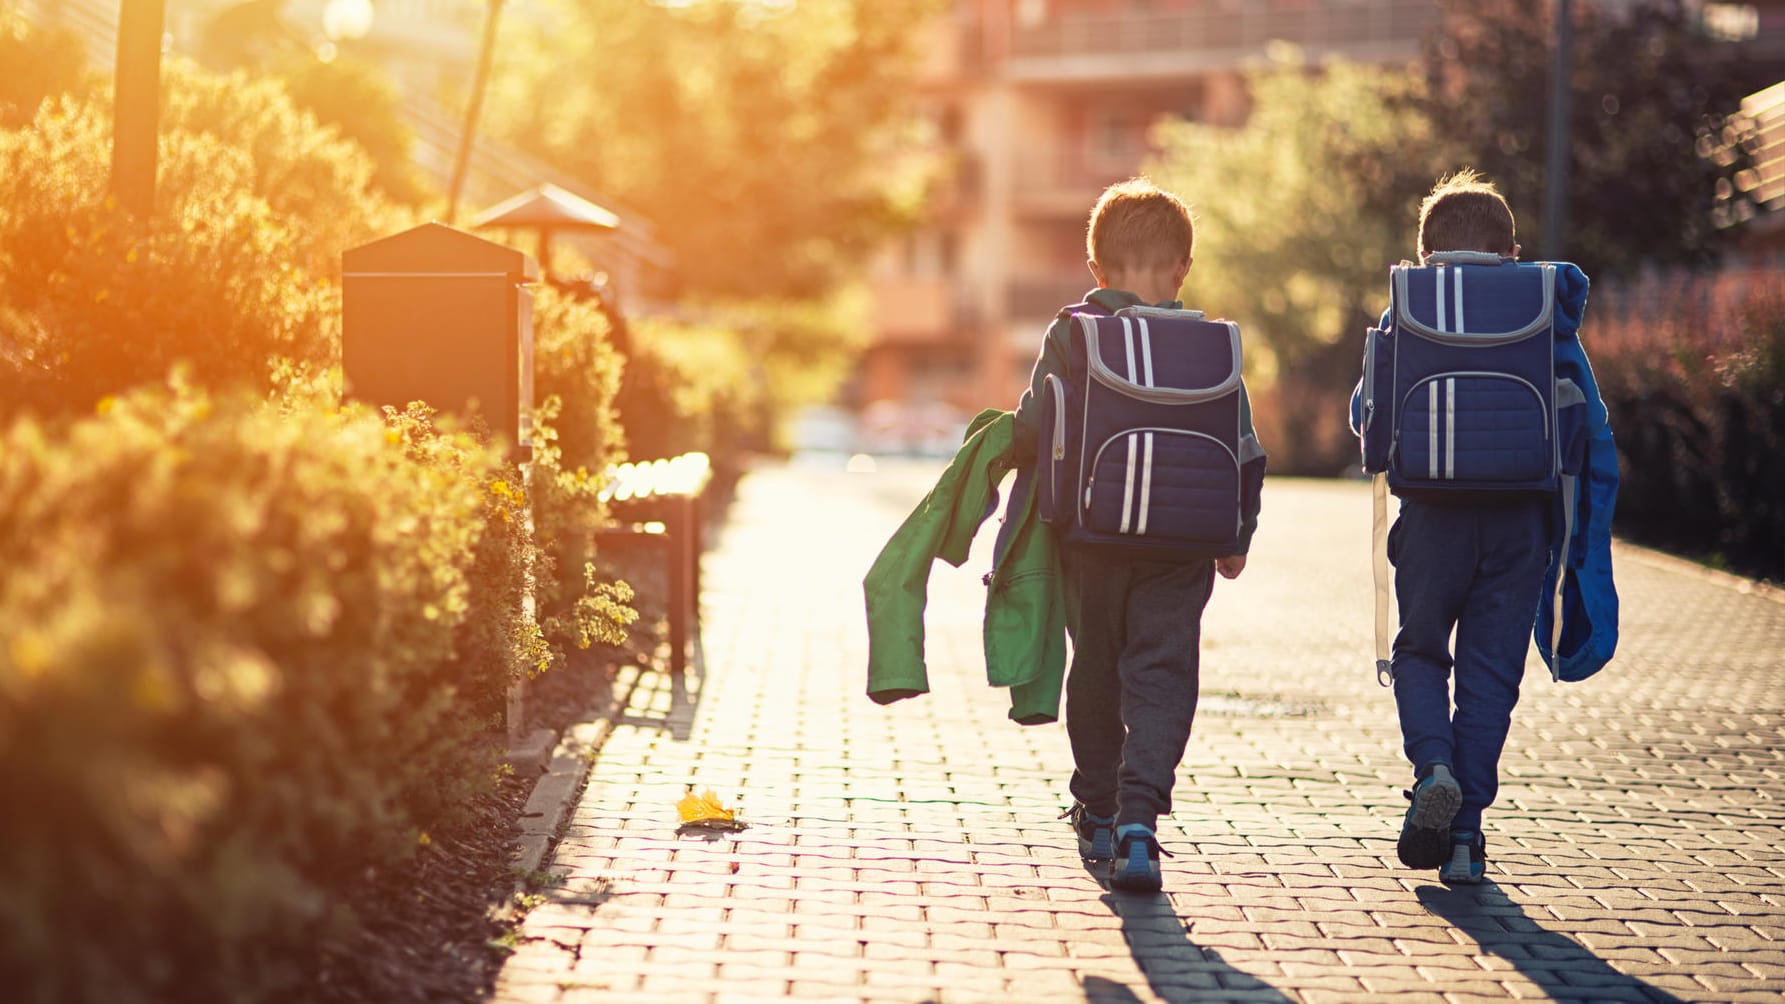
point(245, 653)
point(232, 274)
point(39, 63)
point(1692, 369)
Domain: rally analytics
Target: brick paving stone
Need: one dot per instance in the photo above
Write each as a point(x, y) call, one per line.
point(911, 853)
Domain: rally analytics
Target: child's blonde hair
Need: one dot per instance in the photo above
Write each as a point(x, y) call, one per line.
point(1465, 212)
point(1137, 224)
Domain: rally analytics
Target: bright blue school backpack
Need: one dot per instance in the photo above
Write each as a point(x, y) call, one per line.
point(1140, 438)
point(1460, 396)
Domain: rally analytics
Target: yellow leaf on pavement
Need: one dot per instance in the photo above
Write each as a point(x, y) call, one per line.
point(703, 808)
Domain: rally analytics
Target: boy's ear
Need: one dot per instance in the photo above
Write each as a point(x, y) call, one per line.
point(1097, 273)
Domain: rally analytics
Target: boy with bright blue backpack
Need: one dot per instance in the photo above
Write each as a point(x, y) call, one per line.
point(1478, 409)
point(1149, 473)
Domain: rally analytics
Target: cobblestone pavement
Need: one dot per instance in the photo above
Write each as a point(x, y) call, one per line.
point(911, 853)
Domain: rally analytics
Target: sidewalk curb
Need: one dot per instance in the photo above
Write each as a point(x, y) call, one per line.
point(561, 782)
point(1685, 566)
point(549, 803)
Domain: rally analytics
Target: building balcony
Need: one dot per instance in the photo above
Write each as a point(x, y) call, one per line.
point(1166, 45)
point(914, 309)
point(1059, 184)
point(1031, 301)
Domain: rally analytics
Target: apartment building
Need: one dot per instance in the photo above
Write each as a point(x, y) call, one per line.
point(1036, 106)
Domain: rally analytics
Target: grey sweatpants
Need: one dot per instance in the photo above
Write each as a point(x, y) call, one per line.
point(1131, 692)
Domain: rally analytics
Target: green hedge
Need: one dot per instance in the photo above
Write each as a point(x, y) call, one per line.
point(1692, 370)
point(245, 653)
point(233, 275)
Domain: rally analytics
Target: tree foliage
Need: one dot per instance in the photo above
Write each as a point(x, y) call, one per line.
point(1299, 213)
point(1302, 209)
point(1648, 97)
point(247, 654)
point(352, 96)
point(763, 139)
point(231, 275)
point(40, 63)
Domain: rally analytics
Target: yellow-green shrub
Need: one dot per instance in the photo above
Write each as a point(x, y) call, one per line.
point(245, 654)
point(40, 63)
point(690, 386)
point(575, 361)
point(232, 273)
point(577, 433)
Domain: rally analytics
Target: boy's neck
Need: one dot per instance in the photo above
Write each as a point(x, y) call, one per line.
point(1155, 291)
point(1154, 285)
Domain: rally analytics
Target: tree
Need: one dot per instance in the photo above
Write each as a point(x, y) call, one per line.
point(1648, 96)
point(354, 97)
point(233, 275)
point(763, 140)
point(1299, 213)
point(40, 63)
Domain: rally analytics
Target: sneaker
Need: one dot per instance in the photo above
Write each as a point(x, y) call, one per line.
point(1096, 834)
point(1136, 867)
point(1468, 859)
point(1425, 833)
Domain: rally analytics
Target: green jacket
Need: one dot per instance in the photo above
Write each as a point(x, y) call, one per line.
point(1025, 616)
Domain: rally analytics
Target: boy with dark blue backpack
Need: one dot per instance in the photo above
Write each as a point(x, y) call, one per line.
point(1478, 409)
point(1150, 474)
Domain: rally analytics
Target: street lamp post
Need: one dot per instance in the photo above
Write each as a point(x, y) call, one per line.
point(1555, 195)
point(479, 82)
point(137, 104)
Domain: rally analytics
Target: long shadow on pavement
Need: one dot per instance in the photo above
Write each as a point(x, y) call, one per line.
point(666, 700)
point(1177, 969)
point(1559, 965)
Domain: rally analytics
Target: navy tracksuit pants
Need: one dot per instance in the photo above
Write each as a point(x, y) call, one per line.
point(1477, 570)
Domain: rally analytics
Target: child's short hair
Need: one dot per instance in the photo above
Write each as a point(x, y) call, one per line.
point(1465, 212)
point(1137, 224)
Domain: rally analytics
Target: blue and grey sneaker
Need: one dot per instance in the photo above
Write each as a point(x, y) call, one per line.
point(1425, 833)
point(1136, 867)
point(1096, 834)
point(1468, 859)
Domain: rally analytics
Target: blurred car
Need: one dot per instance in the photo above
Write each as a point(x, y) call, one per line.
point(823, 429)
point(910, 429)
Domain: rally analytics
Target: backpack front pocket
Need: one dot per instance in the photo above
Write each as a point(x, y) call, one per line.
point(1475, 427)
point(1166, 484)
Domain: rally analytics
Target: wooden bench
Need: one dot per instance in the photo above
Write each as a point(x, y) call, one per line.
point(661, 500)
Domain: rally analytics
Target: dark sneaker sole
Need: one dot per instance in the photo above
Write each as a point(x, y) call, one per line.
point(1101, 847)
point(1128, 881)
point(1139, 873)
point(1451, 877)
point(1461, 868)
point(1425, 834)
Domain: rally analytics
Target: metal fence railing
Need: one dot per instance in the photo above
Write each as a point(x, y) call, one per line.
point(1766, 111)
point(1249, 27)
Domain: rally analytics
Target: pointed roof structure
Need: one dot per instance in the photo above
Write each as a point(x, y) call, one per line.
point(547, 207)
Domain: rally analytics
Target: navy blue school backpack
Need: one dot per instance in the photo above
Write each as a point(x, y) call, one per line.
point(1459, 391)
point(1460, 397)
point(1140, 439)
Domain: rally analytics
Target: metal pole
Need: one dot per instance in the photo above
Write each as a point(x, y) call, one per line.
point(479, 81)
point(1555, 202)
point(137, 105)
